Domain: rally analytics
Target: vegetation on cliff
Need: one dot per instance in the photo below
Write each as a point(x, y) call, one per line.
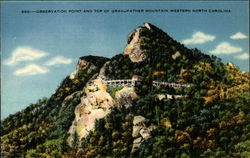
point(36, 130)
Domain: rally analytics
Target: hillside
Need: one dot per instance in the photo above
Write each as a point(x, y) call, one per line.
point(155, 99)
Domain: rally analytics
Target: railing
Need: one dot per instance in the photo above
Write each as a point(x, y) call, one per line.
point(132, 83)
point(169, 84)
point(114, 83)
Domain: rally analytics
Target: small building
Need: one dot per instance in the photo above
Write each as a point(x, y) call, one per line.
point(137, 78)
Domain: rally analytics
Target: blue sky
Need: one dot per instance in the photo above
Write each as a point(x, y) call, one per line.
point(40, 49)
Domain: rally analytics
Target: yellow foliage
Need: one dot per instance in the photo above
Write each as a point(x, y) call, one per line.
point(237, 76)
point(235, 120)
point(108, 126)
point(101, 141)
point(223, 91)
point(204, 143)
point(18, 137)
point(90, 153)
point(181, 80)
point(211, 91)
point(118, 143)
point(203, 66)
point(166, 123)
point(159, 73)
point(76, 81)
point(211, 132)
point(233, 91)
point(181, 136)
point(210, 99)
point(67, 89)
point(209, 144)
point(197, 141)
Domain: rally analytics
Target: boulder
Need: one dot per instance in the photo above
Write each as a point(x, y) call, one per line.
point(138, 120)
point(136, 143)
point(138, 124)
point(140, 132)
point(133, 48)
point(176, 55)
point(145, 133)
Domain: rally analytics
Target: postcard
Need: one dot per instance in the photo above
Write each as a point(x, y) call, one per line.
point(125, 79)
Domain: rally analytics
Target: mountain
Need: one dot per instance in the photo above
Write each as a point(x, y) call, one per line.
point(155, 99)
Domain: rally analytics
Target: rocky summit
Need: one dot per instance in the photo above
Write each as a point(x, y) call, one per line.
point(157, 98)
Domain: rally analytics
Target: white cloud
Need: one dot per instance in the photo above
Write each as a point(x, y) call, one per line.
point(238, 35)
point(225, 48)
point(199, 38)
point(24, 54)
point(244, 56)
point(58, 60)
point(31, 69)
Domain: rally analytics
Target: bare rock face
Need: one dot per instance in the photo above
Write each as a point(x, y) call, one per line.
point(133, 48)
point(95, 104)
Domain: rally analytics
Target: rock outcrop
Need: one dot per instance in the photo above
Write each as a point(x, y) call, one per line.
point(140, 132)
point(176, 55)
point(125, 96)
point(133, 48)
point(95, 104)
point(169, 96)
point(82, 64)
